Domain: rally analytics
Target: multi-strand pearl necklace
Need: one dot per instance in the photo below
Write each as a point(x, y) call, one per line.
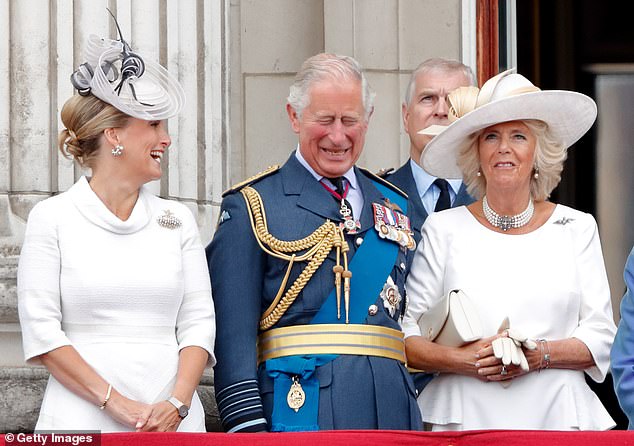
point(506, 222)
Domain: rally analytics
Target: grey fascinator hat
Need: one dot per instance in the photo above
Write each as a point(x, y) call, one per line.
point(117, 75)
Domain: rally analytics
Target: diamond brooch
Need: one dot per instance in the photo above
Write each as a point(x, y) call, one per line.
point(168, 220)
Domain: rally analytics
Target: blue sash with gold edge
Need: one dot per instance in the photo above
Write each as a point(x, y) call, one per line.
point(371, 265)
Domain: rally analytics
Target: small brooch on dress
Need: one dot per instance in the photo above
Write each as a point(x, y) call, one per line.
point(168, 220)
point(564, 221)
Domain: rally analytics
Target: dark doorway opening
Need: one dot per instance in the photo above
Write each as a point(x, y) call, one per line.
point(556, 43)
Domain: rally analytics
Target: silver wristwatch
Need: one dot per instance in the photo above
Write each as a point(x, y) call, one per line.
point(183, 410)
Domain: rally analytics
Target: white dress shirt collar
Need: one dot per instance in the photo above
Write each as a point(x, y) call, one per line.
point(355, 196)
point(349, 175)
point(427, 192)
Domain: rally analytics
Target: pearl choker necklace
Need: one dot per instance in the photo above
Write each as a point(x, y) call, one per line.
point(506, 222)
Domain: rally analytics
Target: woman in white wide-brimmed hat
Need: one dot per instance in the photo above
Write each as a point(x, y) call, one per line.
point(113, 289)
point(516, 256)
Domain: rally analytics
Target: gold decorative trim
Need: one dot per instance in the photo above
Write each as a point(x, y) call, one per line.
point(315, 248)
point(349, 339)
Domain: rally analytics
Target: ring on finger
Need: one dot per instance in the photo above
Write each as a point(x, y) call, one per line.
point(504, 371)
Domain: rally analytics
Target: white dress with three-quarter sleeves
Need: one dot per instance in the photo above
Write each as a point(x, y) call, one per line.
point(127, 295)
point(551, 283)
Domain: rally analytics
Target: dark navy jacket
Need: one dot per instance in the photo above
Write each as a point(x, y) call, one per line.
point(356, 392)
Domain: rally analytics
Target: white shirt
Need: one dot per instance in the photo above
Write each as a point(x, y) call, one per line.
point(127, 295)
point(354, 197)
point(551, 283)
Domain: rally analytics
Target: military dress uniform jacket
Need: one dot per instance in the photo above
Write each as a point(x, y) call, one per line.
point(355, 392)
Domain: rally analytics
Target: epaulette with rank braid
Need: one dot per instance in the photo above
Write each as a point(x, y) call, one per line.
point(384, 172)
point(383, 181)
point(258, 176)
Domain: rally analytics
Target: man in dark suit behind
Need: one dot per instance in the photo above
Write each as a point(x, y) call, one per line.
point(426, 104)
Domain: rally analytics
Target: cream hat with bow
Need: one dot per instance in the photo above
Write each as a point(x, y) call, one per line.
point(506, 97)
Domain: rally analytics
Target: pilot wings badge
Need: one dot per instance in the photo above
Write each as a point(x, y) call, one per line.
point(564, 221)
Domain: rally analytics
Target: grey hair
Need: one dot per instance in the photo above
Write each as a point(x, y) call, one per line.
point(328, 66)
point(550, 155)
point(437, 64)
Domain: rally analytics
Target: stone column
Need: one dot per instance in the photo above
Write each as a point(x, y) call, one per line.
point(38, 52)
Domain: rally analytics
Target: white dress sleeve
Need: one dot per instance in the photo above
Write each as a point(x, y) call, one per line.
point(425, 282)
point(596, 327)
point(196, 320)
point(39, 303)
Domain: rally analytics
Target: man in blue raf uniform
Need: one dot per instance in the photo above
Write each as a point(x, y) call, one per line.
point(307, 267)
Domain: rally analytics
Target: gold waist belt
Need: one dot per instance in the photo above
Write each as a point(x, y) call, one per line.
point(331, 339)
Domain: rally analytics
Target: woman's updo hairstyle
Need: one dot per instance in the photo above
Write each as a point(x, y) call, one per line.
point(85, 119)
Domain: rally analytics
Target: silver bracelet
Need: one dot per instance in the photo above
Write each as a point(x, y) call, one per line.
point(544, 359)
point(547, 355)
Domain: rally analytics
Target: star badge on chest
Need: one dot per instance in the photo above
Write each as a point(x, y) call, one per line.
point(391, 296)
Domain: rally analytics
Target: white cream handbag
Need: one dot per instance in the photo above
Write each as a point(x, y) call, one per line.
point(453, 321)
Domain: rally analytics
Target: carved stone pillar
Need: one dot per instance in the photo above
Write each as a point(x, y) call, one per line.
point(38, 52)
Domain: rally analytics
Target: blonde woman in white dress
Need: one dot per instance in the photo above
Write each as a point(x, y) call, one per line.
point(516, 255)
point(114, 294)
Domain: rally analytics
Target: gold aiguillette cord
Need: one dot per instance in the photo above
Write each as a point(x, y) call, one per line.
point(347, 275)
point(338, 269)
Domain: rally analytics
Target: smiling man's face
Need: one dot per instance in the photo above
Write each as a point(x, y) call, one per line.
point(332, 127)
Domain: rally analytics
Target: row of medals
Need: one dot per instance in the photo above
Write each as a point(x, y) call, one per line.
point(396, 229)
point(402, 236)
